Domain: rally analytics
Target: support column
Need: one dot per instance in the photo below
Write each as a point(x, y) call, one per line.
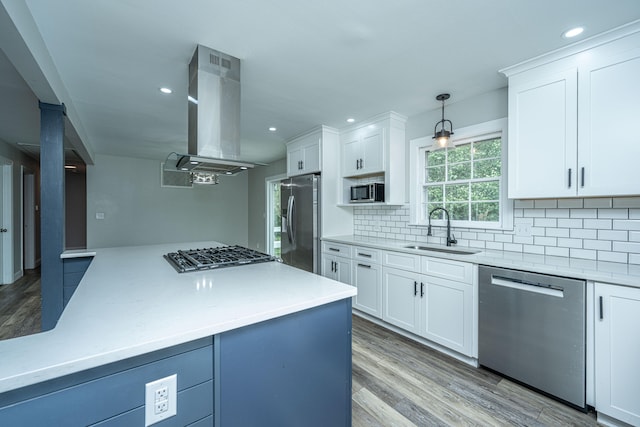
point(52, 217)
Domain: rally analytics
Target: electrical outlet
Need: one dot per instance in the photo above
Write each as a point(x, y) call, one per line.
point(523, 230)
point(160, 399)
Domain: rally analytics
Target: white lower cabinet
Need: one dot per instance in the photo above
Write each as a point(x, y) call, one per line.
point(617, 348)
point(367, 277)
point(336, 268)
point(401, 298)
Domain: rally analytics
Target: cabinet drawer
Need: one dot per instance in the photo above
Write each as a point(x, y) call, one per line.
point(401, 260)
point(447, 269)
point(336, 249)
point(366, 254)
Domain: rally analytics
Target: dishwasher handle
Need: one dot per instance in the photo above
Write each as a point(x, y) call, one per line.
point(523, 285)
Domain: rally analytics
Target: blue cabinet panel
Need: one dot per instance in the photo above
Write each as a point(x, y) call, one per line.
point(106, 391)
point(74, 269)
point(290, 371)
point(194, 407)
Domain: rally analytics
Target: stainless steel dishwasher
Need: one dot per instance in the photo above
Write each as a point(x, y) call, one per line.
point(532, 329)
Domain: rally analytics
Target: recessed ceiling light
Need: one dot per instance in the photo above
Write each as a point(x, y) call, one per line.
point(165, 90)
point(272, 129)
point(573, 32)
point(350, 120)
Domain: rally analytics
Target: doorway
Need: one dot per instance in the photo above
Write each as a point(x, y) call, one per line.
point(274, 216)
point(29, 219)
point(6, 221)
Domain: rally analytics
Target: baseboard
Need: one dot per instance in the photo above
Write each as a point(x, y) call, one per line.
point(18, 274)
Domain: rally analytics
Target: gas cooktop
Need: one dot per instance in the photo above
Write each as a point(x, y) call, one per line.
point(209, 258)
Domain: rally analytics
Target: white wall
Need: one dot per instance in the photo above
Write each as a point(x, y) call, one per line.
point(138, 211)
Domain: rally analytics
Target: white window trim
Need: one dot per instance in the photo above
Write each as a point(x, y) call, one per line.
point(461, 136)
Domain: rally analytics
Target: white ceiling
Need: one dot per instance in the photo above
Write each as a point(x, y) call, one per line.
point(303, 63)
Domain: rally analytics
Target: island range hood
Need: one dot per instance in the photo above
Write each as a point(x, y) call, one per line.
point(214, 118)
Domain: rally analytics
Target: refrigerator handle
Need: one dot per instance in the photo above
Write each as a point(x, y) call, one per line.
point(291, 234)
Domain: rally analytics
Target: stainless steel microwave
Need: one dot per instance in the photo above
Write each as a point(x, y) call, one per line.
point(367, 193)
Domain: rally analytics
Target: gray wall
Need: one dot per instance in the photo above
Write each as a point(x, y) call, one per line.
point(75, 209)
point(257, 201)
point(20, 159)
point(138, 211)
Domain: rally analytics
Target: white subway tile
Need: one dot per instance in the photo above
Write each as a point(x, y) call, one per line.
point(598, 203)
point(570, 203)
point(612, 256)
point(584, 213)
point(537, 231)
point(524, 240)
point(626, 202)
point(634, 236)
point(557, 232)
point(613, 235)
point(532, 249)
point(468, 235)
point(600, 224)
point(570, 223)
point(512, 247)
point(634, 259)
point(518, 213)
point(634, 213)
point(496, 246)
point(613, 213)
point(577, 233)
point(545, 222)
point(558, 213)
point(545, 204)
point(546, 241)
point(582, 254)
point(626, 224)
point(486, 236)
point(532, 213)
point(631, 247)
point(570, 243)
point(523, 204)
point(564, 252)
point(525, 221)
point(476, 244)
point(504, 238)
point(600, 245)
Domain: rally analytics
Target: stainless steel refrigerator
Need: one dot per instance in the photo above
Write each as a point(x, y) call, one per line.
point(300, 237)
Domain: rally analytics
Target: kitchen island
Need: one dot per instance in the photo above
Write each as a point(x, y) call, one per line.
point(261, 342)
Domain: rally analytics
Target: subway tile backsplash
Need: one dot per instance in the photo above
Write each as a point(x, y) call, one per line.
point(598, 229)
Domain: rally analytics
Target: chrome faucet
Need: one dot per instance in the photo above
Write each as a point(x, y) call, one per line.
point(451, 240)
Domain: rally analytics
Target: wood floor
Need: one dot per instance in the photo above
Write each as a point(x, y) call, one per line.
point(396, 381)
point(20, 306)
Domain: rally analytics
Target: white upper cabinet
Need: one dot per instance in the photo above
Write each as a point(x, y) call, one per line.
point(303, 154)
point(363, 152)
point(572, 119)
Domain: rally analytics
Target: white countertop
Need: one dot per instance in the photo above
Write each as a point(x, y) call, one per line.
point(131, 302)
point(609, 272)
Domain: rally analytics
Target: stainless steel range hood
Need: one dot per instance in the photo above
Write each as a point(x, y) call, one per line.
point(214, 116)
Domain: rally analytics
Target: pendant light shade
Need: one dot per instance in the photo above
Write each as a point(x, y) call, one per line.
point(442, 137)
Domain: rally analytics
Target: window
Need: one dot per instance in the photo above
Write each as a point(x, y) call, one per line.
point(274, 216)
point(468, 180)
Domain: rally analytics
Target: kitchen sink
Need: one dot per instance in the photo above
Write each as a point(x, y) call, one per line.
point(448, 250)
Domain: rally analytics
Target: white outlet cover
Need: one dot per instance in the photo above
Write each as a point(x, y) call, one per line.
point(171, 384)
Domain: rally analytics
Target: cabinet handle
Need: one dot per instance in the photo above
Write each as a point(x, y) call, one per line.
point(364, 265)
point(569, 177)
point(415, 288)
point(364, 255)
point(334, 249)
point(582, 177)
point(361, 164)
point(357, 163)
point(601, 311)
point(421, 289)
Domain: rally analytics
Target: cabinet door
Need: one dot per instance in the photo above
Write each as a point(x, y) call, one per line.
point(372, 152)
point(617, 346)
point(367, 277)
point(448, 314)
point(295, 160)
point(543, 134)
point(329, 266)
point(351, 154)
point(609, 146)
point(343, 270)
point(401, 299)
point(303, 155)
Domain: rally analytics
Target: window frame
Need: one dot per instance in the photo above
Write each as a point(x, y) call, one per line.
point(464, 135)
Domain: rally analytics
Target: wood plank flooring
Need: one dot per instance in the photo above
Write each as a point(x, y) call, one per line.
point(20, 306)
point(398, 382)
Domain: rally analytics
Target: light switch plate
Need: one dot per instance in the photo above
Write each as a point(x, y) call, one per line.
point(160, 400)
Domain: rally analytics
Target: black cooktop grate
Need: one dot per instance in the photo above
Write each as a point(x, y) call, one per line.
point(209, 258)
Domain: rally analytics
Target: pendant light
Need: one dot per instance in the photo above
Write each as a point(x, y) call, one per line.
point(442, 137)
